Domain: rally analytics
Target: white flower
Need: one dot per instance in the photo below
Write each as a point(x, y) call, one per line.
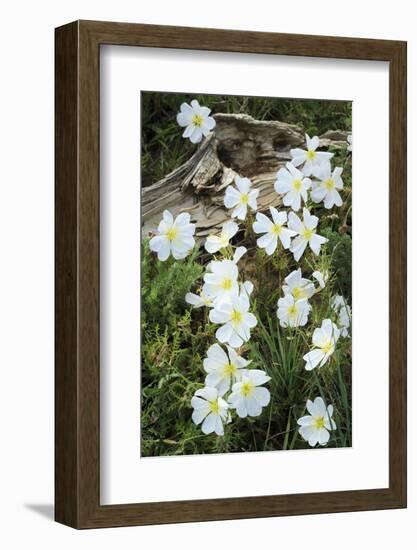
point(311, 157)
point(321, 278)
point(239, 252)
point(197, 121)
point(293, 185)
point(315, 428)
point(349, 140)
point(306, 231)
point(297, 286)
point(235, 318)
point(198, 300)
point(209, 406)
point(344, 320)
point(247, 396)
point(240, 198)
point(293, 313)
point(174, 236)
point(336, 302)
point(221, 280)
point(327, 189)
point(324, 342)
point(343, 310)
point(223, 368)
point(215, 242)
point(246, 288)
point(272, 230)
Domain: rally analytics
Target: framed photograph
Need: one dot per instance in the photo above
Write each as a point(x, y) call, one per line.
point(230, 274)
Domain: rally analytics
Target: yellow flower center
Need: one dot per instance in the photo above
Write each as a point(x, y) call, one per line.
point(244, 198)
point(236, 317)
point(247, 389)
point(276, 229)
point(319, 422)
point(311, 155)
point(292, 311)
point(328, 347)
point(226, 283)
point(297, 292)
point(214, 406)
point(230, 369)
point(297, 184)
point(224, 239)
point(308, 233)
point(198, 120)
point(172, 233)
point(329, 184)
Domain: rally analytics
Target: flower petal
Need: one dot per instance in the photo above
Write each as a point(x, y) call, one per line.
point(209, 424)
point(313, 358)
point(224, 333)
point(243, 184)
point(323, 436)
point(262, 395)
point(197, 135)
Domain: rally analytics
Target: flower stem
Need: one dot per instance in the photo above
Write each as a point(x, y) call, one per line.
point(287, 431)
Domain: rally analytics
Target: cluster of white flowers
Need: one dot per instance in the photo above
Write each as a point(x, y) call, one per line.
point(342, 308)
point(309, 175)
point(229, 384)
point(228, 299)
point(294, 308)
point(294, 183)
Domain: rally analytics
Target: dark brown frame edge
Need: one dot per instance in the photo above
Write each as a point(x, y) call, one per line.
point(77, 274)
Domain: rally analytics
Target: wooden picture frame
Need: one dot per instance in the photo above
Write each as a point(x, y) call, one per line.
point(77, 404)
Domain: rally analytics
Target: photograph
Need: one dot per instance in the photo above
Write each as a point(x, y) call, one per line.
point(209, 293)
point(246, 262)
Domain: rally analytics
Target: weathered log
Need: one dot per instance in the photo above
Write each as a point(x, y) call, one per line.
point(336, 138)
point(240, 145)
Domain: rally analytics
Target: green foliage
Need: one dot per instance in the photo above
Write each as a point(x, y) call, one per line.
point(339, 248)
point(171, 359)
point(164, 286)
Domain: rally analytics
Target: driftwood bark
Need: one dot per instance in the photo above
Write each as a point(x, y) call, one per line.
point(240, 145)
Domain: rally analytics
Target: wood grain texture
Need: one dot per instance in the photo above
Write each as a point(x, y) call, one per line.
point(66, 237)
point(78, 285)
point(241, 146)
point(398, 273)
